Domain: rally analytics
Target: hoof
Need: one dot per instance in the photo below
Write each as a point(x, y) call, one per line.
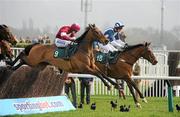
point(144, 100)
point(138, 105)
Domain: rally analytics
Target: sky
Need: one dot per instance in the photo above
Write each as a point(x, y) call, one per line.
point(104, 13)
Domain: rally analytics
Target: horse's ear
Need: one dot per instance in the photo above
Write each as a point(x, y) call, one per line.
point(4, 25)
point(147, 43)
point(1, 26)
point(94, 25)
point(91, 26)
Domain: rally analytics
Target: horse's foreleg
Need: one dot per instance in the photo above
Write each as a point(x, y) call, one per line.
point(22, 57)
point(133, 94)
point(136, 88)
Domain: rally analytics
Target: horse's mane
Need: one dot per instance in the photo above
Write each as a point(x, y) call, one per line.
point(79, 39)
point(130, 47)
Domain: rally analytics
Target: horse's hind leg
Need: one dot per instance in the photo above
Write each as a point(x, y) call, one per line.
point(17, 66)
point(11, 63)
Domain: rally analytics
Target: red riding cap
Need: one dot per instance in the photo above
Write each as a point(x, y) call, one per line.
point(75, 27)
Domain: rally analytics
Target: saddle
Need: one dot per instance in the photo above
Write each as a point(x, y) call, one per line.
point(65, 52)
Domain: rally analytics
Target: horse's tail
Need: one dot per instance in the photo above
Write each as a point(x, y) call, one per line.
point(25, 52)
point(28, 48)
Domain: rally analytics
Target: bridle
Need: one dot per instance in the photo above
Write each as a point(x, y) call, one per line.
point(150, 57)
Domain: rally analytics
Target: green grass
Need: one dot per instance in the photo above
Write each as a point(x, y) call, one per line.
point(156, 107)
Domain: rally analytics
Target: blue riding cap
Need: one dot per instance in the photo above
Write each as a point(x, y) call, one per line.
point(119, 24)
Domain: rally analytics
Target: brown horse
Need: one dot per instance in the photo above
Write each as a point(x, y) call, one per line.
point(6, 37)
point(81, 62)
point(5, 50)
point(122, 69)
point(6, 34)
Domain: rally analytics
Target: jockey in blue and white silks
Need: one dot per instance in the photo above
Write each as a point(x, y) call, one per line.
point(113, 34)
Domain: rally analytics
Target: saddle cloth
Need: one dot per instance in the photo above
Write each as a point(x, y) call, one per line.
point(110, 57)
point(63, 52)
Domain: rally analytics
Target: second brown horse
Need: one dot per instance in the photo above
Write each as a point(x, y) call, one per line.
point(122, 69)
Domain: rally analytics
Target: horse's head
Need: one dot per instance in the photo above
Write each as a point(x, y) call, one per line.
point(148, 54)
point(6, 34)
point(97, 34)
point(6, 49)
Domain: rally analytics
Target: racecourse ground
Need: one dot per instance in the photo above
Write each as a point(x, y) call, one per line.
point(156, 107)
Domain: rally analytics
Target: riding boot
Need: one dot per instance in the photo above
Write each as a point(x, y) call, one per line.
point(9, 62)
point(66, 55)
point(107, 60)
point(1, 56)
point(125, 47)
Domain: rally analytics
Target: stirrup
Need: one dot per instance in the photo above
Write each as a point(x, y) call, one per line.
point(107, 67)
point(66, 57)
point(8, 62)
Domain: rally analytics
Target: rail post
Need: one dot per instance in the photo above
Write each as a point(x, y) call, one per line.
point(170, 96)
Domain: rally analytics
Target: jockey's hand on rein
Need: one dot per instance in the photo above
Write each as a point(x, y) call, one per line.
point(126, 46)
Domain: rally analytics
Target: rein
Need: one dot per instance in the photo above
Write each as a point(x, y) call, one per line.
point(82, 39)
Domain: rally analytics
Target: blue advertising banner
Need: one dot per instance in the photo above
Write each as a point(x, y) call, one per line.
point(34, 105)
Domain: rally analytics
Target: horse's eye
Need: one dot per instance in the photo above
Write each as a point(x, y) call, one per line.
point(96, 32)
point(99, 33)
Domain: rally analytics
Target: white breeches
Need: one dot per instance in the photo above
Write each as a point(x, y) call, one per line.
point(61, 43)
point(118, 44)
point(121, 42)
point(107, 48)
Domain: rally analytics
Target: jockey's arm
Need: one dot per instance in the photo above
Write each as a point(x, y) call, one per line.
point(109, 36)
point(114, 43)
point(119, 41)
point(65, 36)
point(72, 38)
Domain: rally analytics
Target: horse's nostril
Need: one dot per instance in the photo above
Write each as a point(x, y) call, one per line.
point(155, 62)
point(106, 41)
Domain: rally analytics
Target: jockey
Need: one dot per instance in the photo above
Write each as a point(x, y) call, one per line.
point(115, 43)
point(0, 52)
point(66, 35)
